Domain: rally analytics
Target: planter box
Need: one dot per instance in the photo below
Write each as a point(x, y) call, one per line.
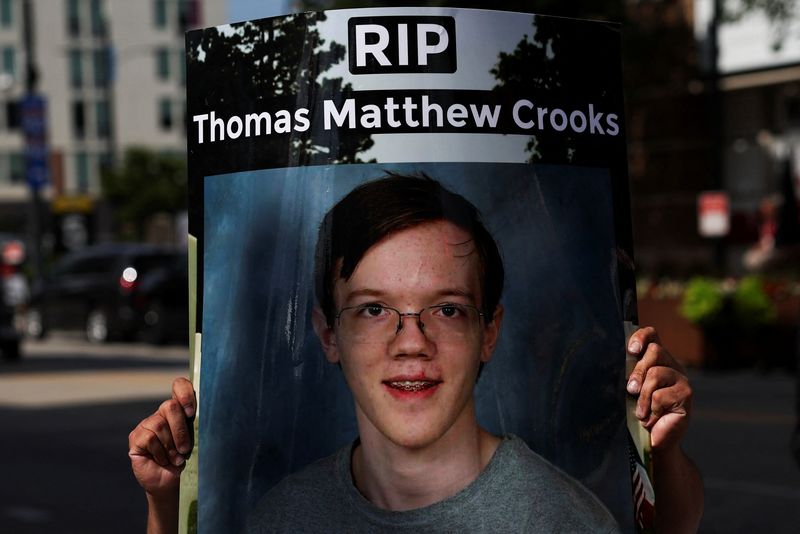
point(722, 346)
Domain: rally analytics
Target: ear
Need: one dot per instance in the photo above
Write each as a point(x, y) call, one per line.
point(326, 335)
point(491, 333)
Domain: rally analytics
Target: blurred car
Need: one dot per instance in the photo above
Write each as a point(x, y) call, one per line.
point(161, 300)
point(13, 293)
point(97, 290)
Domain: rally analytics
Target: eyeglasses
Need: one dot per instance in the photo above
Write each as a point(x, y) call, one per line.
point(378, 323)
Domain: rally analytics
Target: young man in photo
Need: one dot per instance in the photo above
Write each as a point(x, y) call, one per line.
point(408, 283)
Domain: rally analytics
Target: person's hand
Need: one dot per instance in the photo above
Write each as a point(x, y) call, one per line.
point(664, 395)
point(159, 444)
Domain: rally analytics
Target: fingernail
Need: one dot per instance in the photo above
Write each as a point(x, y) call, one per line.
point(639, 412)
point(634, 347)
point(178, 460)
point(189, 409)
point(633, 386)
point(183, 449)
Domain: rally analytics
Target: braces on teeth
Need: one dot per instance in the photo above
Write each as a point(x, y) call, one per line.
point(408, 385)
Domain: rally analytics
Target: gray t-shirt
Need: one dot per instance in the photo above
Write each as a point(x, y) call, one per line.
point(519, 491)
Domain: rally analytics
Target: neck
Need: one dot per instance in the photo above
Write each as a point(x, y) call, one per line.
point(400, 478)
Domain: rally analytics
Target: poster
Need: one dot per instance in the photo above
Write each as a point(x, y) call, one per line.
point(519, 115)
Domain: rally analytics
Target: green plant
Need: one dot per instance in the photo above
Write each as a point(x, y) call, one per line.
point(751, 304)
point(703, 301)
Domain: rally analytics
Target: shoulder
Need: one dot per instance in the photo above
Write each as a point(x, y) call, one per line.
point(556, 497)
point(307, 495)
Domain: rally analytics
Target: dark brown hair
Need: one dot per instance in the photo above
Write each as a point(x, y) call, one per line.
point(395, 202)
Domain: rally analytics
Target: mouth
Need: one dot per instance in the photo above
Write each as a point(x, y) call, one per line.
point(411, 388)
point(411, 385)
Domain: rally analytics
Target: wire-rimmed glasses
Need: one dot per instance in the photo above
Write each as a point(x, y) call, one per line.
point(376, 322)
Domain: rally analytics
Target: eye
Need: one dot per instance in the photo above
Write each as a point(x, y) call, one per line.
point(450, 311)
point(371, 311)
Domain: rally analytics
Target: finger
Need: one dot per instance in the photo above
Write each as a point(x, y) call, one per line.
point(159, 427)
point(657, 378)
point(183, 392)
point(654, 355)
point(178, 425)
point(144, 442)
point(675, 399)
point(641, 338)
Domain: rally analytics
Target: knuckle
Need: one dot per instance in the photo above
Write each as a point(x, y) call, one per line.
point(158, 425)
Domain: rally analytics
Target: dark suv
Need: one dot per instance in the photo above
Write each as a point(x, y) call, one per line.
point(96, 290)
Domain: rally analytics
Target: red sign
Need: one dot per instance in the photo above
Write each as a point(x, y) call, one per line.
point(13, 253)
point(713, 214)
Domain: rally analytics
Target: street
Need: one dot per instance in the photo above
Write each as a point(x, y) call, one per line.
point(66, 410)
point(67, 407)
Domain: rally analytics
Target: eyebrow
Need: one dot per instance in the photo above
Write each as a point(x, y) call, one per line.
point(446, 292)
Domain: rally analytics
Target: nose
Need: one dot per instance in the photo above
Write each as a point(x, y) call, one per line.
point(410, 339)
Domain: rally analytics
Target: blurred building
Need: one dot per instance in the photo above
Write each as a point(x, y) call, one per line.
point(759, 83)
point(726, 117)
point(113, 76)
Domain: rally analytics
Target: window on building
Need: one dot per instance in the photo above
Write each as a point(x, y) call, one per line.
point(162, 63)
point(75, 69)
point(82, 171)
point(188, 14)
point(100, 58)
point(98, 18)
point(165, 120)
point(182, 67)
point(104, 161)
point(160, 13)
point(73, 17)
point(78, 119)
point(9, 60)
point(17, 167)
point(12, 114)
point(102, 118)
point(6, 13)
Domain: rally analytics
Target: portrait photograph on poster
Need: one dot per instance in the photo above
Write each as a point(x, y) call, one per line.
point(549, 380)
point(412, 227)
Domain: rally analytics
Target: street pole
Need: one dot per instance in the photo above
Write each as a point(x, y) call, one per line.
point(717, 145)
point(31, 80)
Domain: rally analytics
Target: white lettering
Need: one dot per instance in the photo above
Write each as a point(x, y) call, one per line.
point(301, 120)
point(573, 119)
point(613, 127)
point(217, 123)
point(561, 125)
point(348, 112)
point(423, 48)
point(283, 121)
point(236, 122)
point(594, 121)
point(526, 125)
point(484, 115)
point(256, 118)
point(376, 49)
point(455, 114)
point(426, 113)
point(402, 44)
point(371, 116)
point(200, 119)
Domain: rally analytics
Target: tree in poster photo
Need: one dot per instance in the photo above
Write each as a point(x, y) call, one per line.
point(563, 56)
point(256, 66)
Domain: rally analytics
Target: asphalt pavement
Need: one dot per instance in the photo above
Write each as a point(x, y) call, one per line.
point(66, 409)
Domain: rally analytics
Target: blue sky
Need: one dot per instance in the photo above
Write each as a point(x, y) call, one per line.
point(256, 9)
